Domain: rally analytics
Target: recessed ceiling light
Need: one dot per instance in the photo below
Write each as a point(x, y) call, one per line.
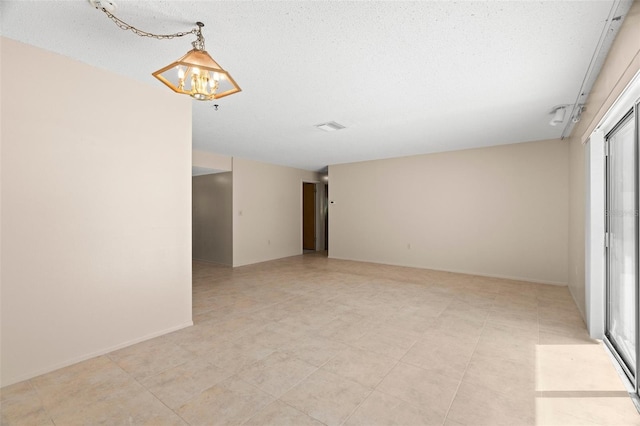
point(330, 126)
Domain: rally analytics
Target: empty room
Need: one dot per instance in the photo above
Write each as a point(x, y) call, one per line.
point(319, 212)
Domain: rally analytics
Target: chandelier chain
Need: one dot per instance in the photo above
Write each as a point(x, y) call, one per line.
point(197, 44)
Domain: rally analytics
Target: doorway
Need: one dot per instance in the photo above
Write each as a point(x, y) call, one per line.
point(308, 216)
point(326, 217)
point(611, 239)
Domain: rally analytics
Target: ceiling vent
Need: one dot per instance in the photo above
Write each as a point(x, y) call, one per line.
point(330, 126)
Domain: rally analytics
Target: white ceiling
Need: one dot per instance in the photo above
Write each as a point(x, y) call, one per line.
point(404, 78)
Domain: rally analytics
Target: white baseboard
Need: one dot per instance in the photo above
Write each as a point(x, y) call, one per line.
point(84, 357)
point(479, 274)
point(195, 259)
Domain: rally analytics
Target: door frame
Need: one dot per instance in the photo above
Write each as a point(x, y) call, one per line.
point(595, 253)
point(595, 269)
point(608, 339)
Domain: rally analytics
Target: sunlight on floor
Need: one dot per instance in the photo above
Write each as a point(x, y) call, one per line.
point(578, 385)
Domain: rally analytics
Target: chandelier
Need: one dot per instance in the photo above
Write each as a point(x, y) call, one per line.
point(195, 74)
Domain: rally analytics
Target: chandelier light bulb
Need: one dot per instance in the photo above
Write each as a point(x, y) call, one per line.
point(198, 76)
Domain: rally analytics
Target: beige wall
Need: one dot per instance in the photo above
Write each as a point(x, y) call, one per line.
point(96, 211)
point(622, 63)
point(499, 211)
point(211, 160)
point(267, 211)
point(212, 218)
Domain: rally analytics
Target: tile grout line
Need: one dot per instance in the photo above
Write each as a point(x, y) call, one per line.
point(148, 390)
point(378, 384)
point(35, 389)
point(298, 410)
point(398, 361)
point(455, 394)
point(357, 406)
point(363, 400)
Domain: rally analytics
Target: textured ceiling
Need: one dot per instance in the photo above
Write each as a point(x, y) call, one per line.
point(403, 77)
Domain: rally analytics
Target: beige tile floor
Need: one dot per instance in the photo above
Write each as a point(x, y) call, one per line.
point(311, 341)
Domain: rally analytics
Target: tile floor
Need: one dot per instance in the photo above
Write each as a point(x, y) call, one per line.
point(311, 341)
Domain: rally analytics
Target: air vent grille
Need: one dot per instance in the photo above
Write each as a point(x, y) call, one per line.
point(330, 126)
